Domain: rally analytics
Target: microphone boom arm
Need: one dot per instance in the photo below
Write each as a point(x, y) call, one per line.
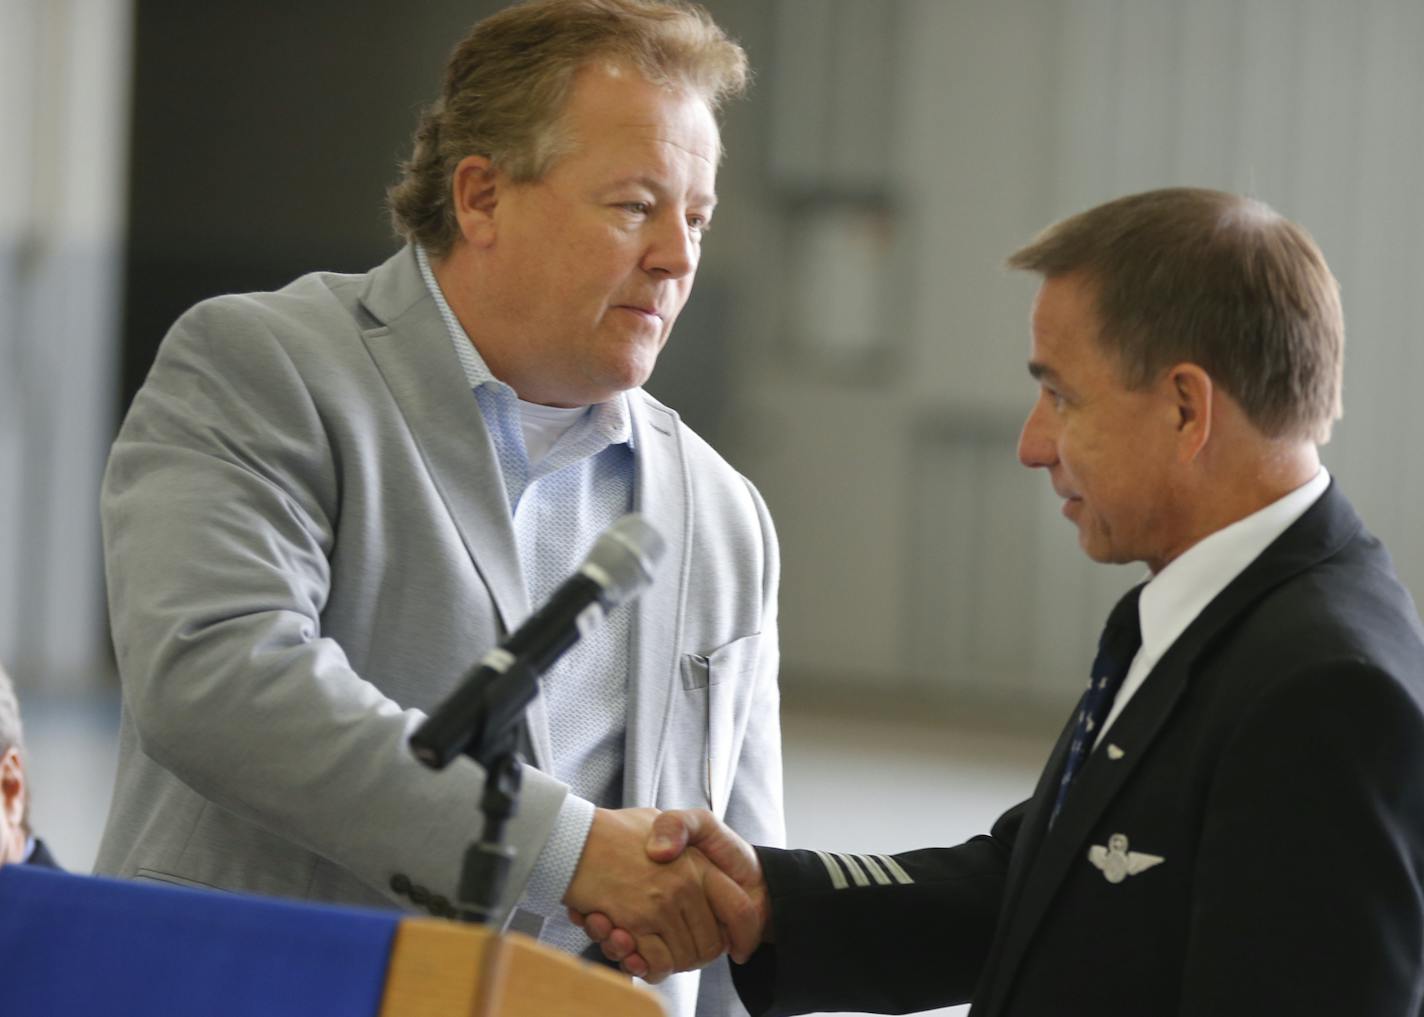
point(481, 715)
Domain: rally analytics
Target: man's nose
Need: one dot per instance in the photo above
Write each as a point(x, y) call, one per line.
point(1036, 446)
point(674, 249)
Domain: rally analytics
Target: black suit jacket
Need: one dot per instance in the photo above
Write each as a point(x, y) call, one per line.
point(40, 856)
point(1274, 761)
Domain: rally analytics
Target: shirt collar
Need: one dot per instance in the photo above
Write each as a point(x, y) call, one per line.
point(477, 372)
point(610, 420)
point(1175, 596)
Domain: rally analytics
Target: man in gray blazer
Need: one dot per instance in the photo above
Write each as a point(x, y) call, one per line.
point(327, 502)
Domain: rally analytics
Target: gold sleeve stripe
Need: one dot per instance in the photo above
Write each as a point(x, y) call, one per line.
point(876, 872)
point(901, 876)
point(856, 872)
point(833, 868)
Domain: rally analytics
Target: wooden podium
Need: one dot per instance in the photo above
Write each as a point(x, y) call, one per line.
point(77, 946)
point(444, 968)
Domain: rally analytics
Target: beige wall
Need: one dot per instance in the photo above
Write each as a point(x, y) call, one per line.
point(63, 118)
point(929, 137)
point(919, 556)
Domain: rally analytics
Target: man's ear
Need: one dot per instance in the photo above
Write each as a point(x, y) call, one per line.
point(12, 787)
point(1192, 392)
point(474, 189)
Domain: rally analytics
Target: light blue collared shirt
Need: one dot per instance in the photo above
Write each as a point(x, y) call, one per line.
point(559, 505)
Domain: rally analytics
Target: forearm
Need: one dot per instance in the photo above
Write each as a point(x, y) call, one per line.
point(885, 947)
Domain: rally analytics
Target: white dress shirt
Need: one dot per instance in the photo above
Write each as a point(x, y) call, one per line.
point(1175, 596)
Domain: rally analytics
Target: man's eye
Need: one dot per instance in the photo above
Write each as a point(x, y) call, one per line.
point(637, 207)
point(700, 223)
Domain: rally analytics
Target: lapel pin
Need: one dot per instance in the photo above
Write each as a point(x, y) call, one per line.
point(1114, 752)
point(1116, 862)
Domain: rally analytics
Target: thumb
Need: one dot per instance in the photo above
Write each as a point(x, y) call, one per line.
point(668, 837)
point(722, 847)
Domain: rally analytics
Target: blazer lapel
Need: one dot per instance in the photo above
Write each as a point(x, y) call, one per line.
point(662, 495)
point(1041, 863)
point(411, 348)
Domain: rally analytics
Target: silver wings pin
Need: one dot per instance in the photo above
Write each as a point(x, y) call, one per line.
point(1117, 862)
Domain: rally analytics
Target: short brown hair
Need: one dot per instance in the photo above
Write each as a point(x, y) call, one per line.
point(1222, 281)
point(507, 83)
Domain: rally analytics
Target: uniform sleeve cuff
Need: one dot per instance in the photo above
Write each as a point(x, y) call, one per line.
point(554, 868)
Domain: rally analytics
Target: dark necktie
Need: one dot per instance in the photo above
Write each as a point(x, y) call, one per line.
point(1121, 638)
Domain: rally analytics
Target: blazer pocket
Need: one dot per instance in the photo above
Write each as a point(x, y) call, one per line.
point(154, 876)
point(716, 684)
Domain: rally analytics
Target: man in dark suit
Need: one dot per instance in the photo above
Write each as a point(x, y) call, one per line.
point(1233, 820)
point(17, 843)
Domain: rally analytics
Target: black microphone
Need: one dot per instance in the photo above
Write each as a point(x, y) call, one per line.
point(493, 694)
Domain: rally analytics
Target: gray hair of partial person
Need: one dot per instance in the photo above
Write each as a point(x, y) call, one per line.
point(1214, 279)
point(12, 734)
point(508, 81)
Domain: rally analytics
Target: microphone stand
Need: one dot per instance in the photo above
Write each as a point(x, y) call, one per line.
point(492, 743)
point(488, 860)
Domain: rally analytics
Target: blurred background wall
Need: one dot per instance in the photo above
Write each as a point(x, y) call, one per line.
point(852, 344)
point(64, 114)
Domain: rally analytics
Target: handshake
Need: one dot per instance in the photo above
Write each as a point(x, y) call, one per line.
point(666, 892)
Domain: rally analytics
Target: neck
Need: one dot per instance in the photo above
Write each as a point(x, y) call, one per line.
point(1228, 492)
point(1285, 467)
point(487, 324)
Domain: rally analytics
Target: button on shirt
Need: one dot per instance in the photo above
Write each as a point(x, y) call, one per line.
point(1175, 596)
point(559, 504)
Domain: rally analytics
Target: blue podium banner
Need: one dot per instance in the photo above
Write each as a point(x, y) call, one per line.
point(80, 946)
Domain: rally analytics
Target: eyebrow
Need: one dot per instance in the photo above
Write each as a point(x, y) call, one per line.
point(1041, 371)
point(699, 200)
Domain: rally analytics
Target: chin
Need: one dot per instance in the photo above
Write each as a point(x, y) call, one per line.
point(1097, 548)
point(629, 374)
point(1105, 554)
point(601, 390)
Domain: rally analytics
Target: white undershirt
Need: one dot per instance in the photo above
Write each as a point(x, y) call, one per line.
point(543, 426)
point(1175, 596)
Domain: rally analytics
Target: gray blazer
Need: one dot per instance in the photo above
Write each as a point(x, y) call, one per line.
point(307, 541)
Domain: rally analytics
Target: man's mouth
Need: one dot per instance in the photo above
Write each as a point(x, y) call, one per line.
point(651, 313)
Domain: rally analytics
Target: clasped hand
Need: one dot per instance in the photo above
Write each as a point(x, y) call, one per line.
point(665, 892)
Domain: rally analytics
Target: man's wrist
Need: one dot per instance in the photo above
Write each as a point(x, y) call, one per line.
point(761, 898)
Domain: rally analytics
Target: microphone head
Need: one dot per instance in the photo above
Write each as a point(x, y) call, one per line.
point(623, 558)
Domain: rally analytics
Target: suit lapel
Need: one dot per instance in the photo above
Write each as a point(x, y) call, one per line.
point(662, 495)
point(1043, 858)
point(411, 348)
point(1035, 821)
point(1046, 858)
